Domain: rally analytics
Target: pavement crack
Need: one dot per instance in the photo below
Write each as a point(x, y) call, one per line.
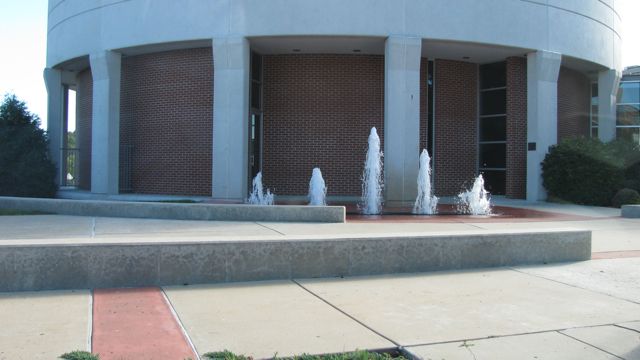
point(574, 286)
point(347, 314)
point(593, 346)
point(272, 229)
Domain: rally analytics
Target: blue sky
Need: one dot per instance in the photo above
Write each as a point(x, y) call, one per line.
point(23, 40)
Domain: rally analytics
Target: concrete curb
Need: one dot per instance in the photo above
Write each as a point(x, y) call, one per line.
point(63, 266)
point(630, 211)
point(220, 212)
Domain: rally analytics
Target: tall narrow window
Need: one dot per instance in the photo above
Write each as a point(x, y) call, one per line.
point(628, 111)
point(492, 126)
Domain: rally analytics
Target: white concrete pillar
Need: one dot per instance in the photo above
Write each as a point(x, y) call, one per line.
point(543, 68)
point(401, 118)
point(105, 128)
point(231, 58)
point(55, 118)
point(608, 82)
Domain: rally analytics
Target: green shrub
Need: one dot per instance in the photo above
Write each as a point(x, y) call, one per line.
point(79, 355)
point(583, 171)
point(625, 197)
point(25, 166)
point(629, 153)
point(631, 184)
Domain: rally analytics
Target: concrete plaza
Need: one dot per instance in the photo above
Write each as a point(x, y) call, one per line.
point(582, 310)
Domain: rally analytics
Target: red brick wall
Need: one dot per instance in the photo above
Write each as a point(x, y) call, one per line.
point(166, 115)
point(84, 108)
point(574, 96)
point(456, 124)
point(516, 180)
point(318, 111)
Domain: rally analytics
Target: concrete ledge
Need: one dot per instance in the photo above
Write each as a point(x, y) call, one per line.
point(222, 212)
point(64, 266)
point(630, 211)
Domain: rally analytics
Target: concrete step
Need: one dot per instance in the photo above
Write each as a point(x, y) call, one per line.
point(76, 265)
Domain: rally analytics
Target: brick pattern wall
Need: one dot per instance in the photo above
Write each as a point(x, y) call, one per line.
point(574, 96)
point(318, 111)
point(166, 115)
point(456, 124)
point(84, 109)
point(516, 180)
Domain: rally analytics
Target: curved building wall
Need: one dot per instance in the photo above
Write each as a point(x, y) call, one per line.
point(318, 111)
point(587, 29)
point(165, 121)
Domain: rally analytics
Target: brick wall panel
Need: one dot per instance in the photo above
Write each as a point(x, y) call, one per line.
point(574, 95)
point(318, 111)
point(516, 180)
point(166, 112)
point(84, 109)
point(456, 124)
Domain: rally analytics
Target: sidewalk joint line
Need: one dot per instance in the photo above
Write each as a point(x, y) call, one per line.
point(93, 227)
point(266, 227)
point(90, 332)
point(179, 321)
point(593, 346)
point(346, 314)
point(574, 286)
point(506, 335)
point(626, 328)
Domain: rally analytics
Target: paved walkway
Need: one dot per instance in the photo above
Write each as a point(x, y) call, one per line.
point(586, 310)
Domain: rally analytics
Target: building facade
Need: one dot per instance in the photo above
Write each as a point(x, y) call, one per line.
point(195, 97)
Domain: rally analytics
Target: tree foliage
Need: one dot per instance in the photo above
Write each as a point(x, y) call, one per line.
point(26, 168)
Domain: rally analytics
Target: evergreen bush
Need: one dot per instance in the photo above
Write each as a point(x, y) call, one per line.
point(25, 166)
point(583, 171)
point(625, 197)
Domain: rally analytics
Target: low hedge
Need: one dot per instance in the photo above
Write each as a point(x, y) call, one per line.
point(584, 171)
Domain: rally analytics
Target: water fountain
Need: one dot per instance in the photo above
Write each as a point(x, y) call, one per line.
point(317, 189)
point(475, 201)
point(372, 177)
point(257, 196)
point(426, 202)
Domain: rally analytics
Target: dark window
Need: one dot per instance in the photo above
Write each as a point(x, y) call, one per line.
point(430, 108)
point(256, 67)
point(493, 75)
point(495, 181)
point(493, 128)
point(493, 156)
point(493, 102)
point(256, 95)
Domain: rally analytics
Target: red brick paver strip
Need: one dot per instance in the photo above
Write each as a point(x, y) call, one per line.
point(136, 324)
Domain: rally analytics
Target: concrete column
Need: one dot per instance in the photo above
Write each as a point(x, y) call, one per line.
point(608, 82)
point(543, 68)
point(401, 118)
point(231, 56)
point(105, 131)
point(55, 118)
